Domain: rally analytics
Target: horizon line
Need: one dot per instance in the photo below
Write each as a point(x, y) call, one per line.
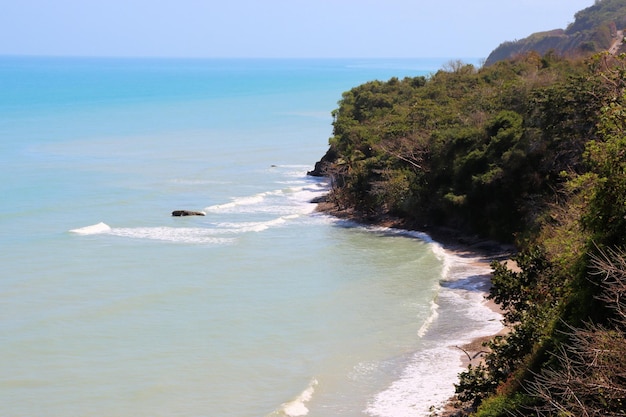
point(29, 55)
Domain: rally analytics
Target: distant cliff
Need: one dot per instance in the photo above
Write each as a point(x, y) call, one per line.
point(596, 28)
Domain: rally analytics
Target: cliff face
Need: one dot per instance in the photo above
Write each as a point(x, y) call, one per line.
point(555, 40)
point(596, 28)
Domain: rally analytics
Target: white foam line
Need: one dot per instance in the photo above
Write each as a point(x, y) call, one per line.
point(199, 235)
point(172, 234)
point(300, 194)
point(297, 407)
point(421, 387)
point(240, 227)
point(186, 234)
point(427, 382)
point(430, 320)
point(94, 229)
point(243, 201)
point(166, 234)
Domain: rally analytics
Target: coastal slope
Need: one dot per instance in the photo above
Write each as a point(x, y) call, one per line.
point(595, 29)
point(528, 150)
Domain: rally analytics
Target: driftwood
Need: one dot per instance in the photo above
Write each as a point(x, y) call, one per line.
point(469, 357)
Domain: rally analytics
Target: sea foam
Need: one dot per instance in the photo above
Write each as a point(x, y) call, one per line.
point(193, 235)
point(241, 204)
point(425, 385)
point(196, 235)
point(430, 320)
point(256, 322)
point(297, 407)
point(94, 229)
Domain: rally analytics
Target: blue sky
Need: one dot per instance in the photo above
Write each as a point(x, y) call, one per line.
point(275, 28)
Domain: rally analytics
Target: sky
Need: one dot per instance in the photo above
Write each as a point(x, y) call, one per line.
point(275, 28)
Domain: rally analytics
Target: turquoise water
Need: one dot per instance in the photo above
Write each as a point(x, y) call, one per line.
point(111, 307)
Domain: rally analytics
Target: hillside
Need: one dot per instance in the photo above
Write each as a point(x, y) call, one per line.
point(595, 29)
point(478, 150)
point(529, 150)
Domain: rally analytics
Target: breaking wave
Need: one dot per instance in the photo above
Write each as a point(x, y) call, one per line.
point(216, 234)
point(223, 222)
point(294, 199)
point(94, 229)
point(298, 406)
point(430, 320)
point(425, 384)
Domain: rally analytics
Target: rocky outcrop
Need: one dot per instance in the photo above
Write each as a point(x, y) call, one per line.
point(321, 166)
point(178, 213)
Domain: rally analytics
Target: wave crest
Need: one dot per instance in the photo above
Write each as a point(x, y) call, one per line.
point(240, 203)
point(297, 407)
point(94, 229)
point(199, 235)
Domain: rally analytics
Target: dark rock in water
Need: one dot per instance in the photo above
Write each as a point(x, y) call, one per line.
point(178, 213)
point(318, 171)
point(322, 165)
point(320, 199)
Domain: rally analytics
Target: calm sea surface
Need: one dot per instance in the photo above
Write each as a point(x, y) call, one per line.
point(111, 307)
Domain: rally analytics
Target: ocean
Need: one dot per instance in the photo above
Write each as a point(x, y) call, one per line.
point(109, 306)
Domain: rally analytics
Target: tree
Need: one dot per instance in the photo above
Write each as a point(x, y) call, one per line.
point(588, 377)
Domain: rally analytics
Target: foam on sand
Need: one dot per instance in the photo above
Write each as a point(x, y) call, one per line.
point(427, 380)
point(425, 384)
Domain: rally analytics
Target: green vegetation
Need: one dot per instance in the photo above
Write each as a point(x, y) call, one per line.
point(477, 150)
point(531, 151)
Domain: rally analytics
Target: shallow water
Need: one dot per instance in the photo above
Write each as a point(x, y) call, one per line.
point(262, 307)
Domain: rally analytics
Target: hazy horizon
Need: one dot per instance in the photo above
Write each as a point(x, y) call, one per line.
point(275, 28)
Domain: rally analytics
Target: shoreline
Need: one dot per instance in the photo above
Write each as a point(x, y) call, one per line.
point(453, 242)
point(450, 239)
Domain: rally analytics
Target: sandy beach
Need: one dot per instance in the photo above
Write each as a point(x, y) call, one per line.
point(474, 352)
point(481, 251)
